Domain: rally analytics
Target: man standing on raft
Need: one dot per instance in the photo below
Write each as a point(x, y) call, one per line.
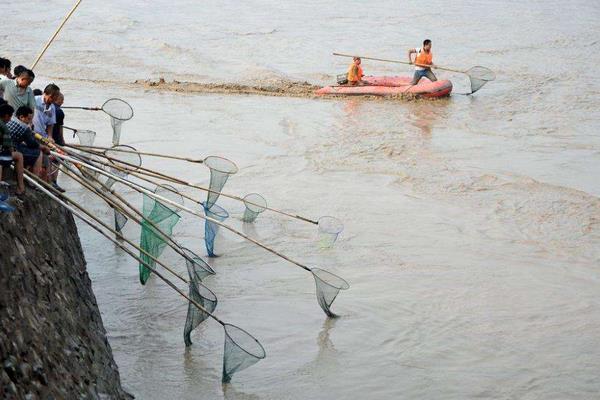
point(423, 62)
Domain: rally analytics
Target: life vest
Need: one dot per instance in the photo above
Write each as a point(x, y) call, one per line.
point(424, 58)
point(355, 73)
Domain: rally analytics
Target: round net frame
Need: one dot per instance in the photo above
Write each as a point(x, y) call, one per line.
point(198, 269)
point(255, 204)
point(118, 109)
point(119, 112)
point(133, 161)
point(195, 316)
point(169, 193)
point(211, 229)
point(479, 76)
point(85, 137)
point(329, 230)
point(220, 170)
point(328, 286)
point(241, 351)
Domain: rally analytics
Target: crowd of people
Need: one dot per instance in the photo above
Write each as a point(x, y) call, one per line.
point(25, 112)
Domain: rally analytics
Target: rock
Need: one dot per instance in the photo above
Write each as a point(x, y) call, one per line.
point(52, 341)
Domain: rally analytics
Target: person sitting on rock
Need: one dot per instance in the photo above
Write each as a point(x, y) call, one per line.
point(24, 140)
point(8, 155)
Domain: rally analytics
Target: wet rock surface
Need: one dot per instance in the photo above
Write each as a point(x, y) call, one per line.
point(52, 341)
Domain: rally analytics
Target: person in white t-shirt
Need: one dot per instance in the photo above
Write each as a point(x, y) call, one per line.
point(44, 116)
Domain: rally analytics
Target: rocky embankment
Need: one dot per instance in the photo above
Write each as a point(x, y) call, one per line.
point(52, 341)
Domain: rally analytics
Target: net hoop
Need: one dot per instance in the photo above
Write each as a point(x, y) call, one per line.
point(217, 212)
point(481, 73)
point(221, 164)
point(262, 353)
point(327, 277)
point(193, 257)
point(118, 109)
point(330, 225)
point(114, 156)
point(255, 202)
point(170, 193)
point(86, 138)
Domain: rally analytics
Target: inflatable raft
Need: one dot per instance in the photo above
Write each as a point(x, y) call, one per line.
point(391, 86)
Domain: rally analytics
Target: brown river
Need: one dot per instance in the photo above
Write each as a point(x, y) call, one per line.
point(472, 224)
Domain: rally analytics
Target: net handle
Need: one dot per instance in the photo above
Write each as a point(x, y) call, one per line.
point(83, 108)
point(159, 175)
point(53, 193)
point(403, 62)
point(64, 21)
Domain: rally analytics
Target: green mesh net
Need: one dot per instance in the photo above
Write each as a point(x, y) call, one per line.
point(220, 170)
point(328, 286)
point(241, 351)
point(164, 218)
point(203, 296)
point(255, 204)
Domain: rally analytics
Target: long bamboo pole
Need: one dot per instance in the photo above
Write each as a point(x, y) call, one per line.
point(64, 21)
point(173, 179)
point(129, 213)
point(54, 195)
point(182, 207)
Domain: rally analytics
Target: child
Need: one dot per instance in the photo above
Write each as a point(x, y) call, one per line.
point(25, 142)
point(44, 116)
point(355, 72)
point(17, 92)
point(7, 153)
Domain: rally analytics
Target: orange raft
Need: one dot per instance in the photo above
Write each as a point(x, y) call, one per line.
point(391, 86)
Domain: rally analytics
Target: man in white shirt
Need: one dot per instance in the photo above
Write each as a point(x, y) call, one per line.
point(44, 116)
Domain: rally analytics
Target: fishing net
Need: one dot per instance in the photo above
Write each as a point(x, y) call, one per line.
point(119, 112)
point(206, 298)
point(132, 160)
point(211, 229)
point(86, 138)
point(241, 351)
point(120, 220)
point(255, 204)
point(479, 76)
point(220, 169)
point(198, 269)
point(164, 218)
point(115, 157)
point(329, 230)
point(328, 286)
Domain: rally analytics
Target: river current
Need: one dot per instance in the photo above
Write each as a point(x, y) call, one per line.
point(472, 224)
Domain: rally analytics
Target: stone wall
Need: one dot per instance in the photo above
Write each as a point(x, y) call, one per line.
point(52, 341)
